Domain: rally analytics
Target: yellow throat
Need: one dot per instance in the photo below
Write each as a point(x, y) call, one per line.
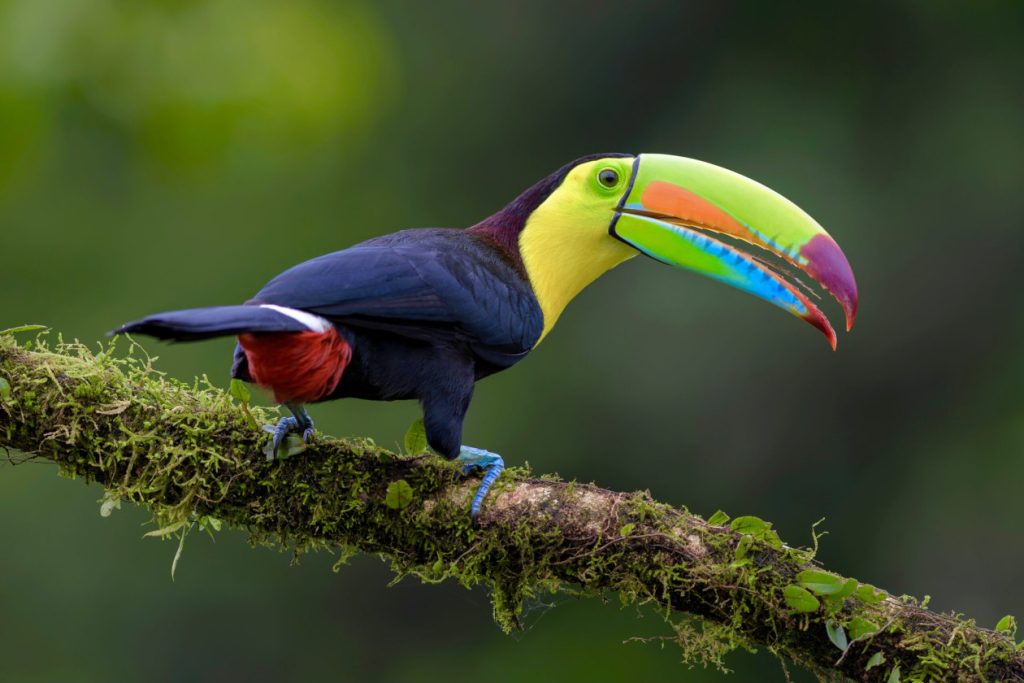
point(566, 246)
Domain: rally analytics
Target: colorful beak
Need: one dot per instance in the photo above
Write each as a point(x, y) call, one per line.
point(677, 209)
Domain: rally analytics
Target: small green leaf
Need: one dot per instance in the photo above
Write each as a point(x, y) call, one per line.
point(800, 600)
point(1007, 624)
point(22, 328)
point(755, 526)
point(239, 391)
point(820, 582)
point(416, 438)
point(868, 593)
point(5, 389)
point(210, 524)
point(846, 590)
point(877, 659)
point(859, 626)
point(835, 601)
point(743, 547)
point(758, 529)
point(836, 634)
point(626, 529)
point(291, 445)
point(110, 503)
point(772, 539)
point(718, 519)
point(399, 495)
point(894, 677)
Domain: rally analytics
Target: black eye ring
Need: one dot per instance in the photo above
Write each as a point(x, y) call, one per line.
point(608, 177)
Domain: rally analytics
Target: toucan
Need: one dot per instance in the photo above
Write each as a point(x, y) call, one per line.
point(425, 313)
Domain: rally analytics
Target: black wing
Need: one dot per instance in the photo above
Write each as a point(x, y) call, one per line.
point(427, 284)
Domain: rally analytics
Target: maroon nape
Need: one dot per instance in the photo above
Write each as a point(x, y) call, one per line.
point(504, 227)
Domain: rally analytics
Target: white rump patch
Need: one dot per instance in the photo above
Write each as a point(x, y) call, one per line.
point(314, 322)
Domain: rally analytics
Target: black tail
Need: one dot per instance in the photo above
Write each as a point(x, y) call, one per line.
point(217, 321)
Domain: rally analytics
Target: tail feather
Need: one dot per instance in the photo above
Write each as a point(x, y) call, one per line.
point(219, 321)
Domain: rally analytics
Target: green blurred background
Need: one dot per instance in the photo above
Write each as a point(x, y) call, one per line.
point(158, 155)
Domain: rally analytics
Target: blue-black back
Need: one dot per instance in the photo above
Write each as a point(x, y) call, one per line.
point(438, 286)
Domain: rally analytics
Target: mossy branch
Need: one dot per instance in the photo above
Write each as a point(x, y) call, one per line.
point(190, 453)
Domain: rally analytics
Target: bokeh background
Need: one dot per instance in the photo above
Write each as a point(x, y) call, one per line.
point(158, 155)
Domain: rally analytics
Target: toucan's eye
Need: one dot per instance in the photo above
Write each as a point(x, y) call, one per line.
point(608, 177)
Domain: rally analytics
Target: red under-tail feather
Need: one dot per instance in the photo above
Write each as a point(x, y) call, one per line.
point(297, 367)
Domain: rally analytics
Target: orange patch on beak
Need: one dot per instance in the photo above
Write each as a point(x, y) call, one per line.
point(672, 201)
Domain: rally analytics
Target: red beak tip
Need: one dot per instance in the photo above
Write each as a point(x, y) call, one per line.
point(832, 340)
point(818, 320)
point(850, 309)
point(828, 265)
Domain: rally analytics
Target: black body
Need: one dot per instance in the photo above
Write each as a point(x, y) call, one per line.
point(427, 313)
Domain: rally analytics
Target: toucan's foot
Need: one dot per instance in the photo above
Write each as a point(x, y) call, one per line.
point(489, 463)
point(284, 427)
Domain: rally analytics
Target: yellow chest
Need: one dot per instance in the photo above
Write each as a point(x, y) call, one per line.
point(563, 255)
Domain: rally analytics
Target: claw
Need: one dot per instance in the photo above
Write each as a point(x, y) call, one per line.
point(491, 464)
point(284, 427)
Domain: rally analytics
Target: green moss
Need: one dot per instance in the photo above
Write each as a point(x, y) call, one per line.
point(190, 454)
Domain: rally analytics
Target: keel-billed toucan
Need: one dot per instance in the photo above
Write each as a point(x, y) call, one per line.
point(422, 314)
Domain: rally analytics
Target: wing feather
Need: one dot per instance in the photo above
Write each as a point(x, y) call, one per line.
point(424, 284)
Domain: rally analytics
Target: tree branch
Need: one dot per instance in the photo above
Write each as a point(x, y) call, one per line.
point(192, 454)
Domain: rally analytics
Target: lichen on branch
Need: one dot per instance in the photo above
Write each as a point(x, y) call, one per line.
point(193, 454)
